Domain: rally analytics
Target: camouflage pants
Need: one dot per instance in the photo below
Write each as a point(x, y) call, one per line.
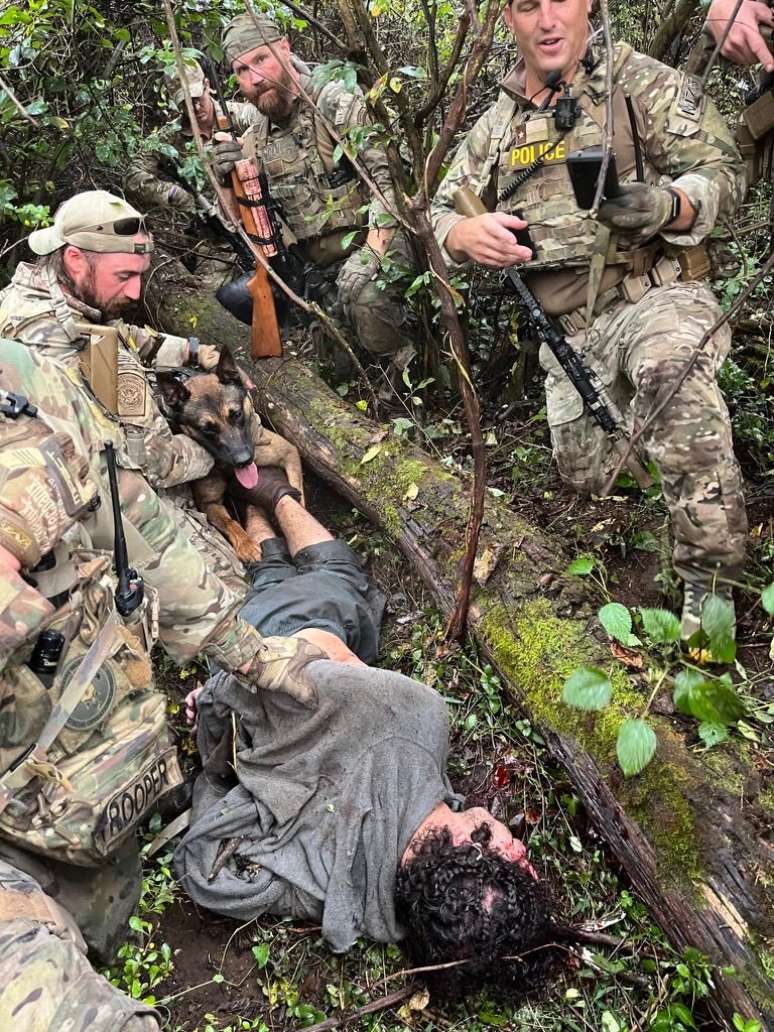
point(46, 982)
point(380, 316)
point(639, 351)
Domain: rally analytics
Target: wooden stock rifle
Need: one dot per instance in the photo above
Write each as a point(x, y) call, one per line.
point(254, 210)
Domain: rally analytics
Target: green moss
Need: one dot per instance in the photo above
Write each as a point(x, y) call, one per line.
point(537, 651)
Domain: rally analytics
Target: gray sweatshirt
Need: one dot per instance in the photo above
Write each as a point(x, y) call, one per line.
point(325, 803)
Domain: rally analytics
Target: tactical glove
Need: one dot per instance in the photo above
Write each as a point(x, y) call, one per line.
point(358, 270)
point(181, 200)
point(271, 487)
point(225, 155)
point(280, 666)
point(639, 212)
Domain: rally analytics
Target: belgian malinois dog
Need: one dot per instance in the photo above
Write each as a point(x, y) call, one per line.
point(214, 408)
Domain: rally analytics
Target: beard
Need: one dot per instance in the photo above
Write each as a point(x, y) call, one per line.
point(86, 291)
point(275, 101)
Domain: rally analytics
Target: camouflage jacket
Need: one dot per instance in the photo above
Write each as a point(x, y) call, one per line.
point(149, 180)
point(683, 141)
point(304, 179)
point(97, 770)
point(196, 611)
point(35, 310)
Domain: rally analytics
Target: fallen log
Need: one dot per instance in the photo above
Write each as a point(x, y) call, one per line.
point(686, 829)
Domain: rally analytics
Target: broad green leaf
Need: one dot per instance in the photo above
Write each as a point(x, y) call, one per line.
point(371, 454)
point(587, 688)
point(635, 746)
point(710, 699)
point(347, 239)
point(718, 623)
point(712, 734)
point(767, 599)
point(261, 954)
point(582, 566)
point(617, 621)
point(661, 626)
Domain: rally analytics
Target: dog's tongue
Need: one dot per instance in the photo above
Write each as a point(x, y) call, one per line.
point(247, 475)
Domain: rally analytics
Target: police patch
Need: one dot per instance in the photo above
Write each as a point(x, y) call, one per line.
point(132, 394)
point(546, 151)
point(129, 805)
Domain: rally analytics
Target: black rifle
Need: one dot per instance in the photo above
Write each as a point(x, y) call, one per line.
point(131, 590)
point(580, 376)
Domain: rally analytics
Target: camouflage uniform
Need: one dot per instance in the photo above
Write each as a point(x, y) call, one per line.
point(647, 319)
point(35, 310)
point(320, 202)
point(76, 799)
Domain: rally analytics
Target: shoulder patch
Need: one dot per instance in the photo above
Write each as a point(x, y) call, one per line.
point(690, 98)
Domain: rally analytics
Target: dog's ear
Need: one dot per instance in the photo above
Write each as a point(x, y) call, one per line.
point(227, 370)
point(174, 390)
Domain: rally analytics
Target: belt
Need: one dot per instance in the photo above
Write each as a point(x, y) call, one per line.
point(632, 289)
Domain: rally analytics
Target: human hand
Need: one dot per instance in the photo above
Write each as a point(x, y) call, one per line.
point(280, 666)
point(744, 43)
point(208, 357)
point(226, 152)
point(639, 211)
point(489, 240)
point(192, 707)
point(271, 487)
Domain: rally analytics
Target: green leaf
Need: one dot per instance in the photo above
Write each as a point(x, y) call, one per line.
point(617, 621)
point(709, 699)
point(661, 626)
point(371, 454)
point(712, 734)
point(635, 746)
point(261, 954)
point(767, 599)
point(719, 624)
point(587, 688)
point(347, 239)
point(582, 566)
point(218, 977)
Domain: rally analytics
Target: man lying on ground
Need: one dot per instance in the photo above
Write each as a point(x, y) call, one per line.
point(341, 812)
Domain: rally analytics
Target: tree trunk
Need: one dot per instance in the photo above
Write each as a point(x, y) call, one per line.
point(685, 830)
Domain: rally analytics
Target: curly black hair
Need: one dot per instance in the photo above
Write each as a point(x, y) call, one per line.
point(470, 903)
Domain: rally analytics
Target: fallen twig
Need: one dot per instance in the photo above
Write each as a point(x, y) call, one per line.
point(369, 1008)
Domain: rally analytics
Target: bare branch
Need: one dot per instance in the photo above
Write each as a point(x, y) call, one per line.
point(323, 29)
point(15, 101)
point(607, 142)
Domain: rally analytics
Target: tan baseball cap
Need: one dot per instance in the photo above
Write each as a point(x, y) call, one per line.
point(94, 220)
point(195, 76)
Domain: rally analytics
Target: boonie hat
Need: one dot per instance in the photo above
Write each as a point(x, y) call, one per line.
point(195, 77)
point(94, 220)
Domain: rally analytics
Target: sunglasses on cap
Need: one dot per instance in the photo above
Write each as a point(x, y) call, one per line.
point(129, 227)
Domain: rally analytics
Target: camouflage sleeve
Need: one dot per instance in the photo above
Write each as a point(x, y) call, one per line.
point(348, 113)
point(686, 140)
point(163, 349)
point(243, 115)
point(197, 612)
point(22, 611)
point(144, 181)
point(466, 169)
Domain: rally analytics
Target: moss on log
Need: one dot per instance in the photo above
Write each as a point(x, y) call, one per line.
point(685, 830)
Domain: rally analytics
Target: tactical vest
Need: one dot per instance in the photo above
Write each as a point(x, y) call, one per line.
point(298, 160)
point(86, 757)
point(561, 233)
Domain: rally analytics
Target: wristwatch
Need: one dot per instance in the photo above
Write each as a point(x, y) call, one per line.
point(193, 350)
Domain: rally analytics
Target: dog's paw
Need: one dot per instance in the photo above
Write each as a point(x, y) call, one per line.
point(247, 551)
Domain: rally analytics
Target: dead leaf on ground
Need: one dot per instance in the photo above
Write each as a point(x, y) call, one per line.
point(628, 657)
point(378, 436)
